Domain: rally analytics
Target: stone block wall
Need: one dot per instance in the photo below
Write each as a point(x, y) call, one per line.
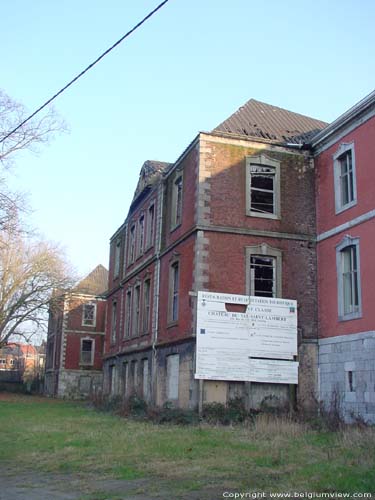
point(347, 369)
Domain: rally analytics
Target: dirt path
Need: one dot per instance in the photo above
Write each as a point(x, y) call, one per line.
point(27, 485)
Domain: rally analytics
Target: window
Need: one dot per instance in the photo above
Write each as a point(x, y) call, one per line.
point(351, 381)
point(150, 226)
point(134, 376)
point(136, 310)
point(145, 380)
point(344, 177)
point(173, 368)
point(349, 292)
point(176, 202)
point(11, 361)
point(3, 361)
point(128, 313)
point(263, 187)
point(174, 291)
point(146, 306)
point(132, 245)
point(114, 322)
point(89, 315)
point(125, 376)
point(87, 352)
point(117, 258)
point(141, 234)
point(263, 274)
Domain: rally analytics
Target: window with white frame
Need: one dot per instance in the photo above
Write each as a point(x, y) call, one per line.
point(141, 234)
point(87, 351)
point(89, 314)
point(146, 305)
point(348, 279)
point(150, 226)
point(114, 322)
point(128, 313)
point(262, 187)
point(116, 272)
point(263, 275)
point(176, 215)
point(345, 177)
point(174, 278)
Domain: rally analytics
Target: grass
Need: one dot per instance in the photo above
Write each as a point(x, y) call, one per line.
point(272, 454)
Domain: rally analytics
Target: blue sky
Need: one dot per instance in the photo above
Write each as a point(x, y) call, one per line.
point(186, 70)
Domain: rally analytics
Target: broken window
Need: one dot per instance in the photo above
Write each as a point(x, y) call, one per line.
point(263, 186)
point(89, 315)
point(263, 275)
point(262, 189)
point(87, 352)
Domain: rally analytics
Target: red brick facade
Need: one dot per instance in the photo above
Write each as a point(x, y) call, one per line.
point(75, 340)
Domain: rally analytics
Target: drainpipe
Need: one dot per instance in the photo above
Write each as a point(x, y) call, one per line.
point(157, 293)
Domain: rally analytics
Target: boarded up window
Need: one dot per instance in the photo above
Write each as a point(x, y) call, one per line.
point(145, 380)
point(173, 366)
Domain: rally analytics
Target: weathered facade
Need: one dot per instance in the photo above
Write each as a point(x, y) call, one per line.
point(345, 185)
point(236, 214)
point(76, 337)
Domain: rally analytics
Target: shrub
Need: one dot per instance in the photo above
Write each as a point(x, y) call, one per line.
point(233, 412)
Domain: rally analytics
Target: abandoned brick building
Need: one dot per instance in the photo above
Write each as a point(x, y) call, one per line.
point(345, 184)
point(75, 338)
point(236, 214)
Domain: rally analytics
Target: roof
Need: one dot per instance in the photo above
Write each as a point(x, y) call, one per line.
point(264, 121)
point(95, 283)
point(151, 171)
point(364, 108)
point(18, 349)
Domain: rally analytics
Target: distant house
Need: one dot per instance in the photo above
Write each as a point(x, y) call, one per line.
point(236, 214)
point(75, 338)
point(19, 363)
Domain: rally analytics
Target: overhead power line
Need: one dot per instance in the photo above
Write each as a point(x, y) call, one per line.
point(85, 70)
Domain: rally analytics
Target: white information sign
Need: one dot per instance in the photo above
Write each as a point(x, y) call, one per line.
point(227, 339)
point(271, 370)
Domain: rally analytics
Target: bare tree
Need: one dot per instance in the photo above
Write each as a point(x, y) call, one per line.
point(29, 272)
point(35, 132)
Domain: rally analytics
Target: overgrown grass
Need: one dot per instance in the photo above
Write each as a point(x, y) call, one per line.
point(272, 453)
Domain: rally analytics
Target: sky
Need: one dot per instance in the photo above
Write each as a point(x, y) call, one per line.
point(185, 70)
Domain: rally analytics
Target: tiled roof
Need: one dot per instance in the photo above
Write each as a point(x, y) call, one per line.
point(264, 121)
point(151, 171)
point(95, 283)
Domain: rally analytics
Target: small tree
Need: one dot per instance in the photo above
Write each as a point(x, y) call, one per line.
point(29, 272)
